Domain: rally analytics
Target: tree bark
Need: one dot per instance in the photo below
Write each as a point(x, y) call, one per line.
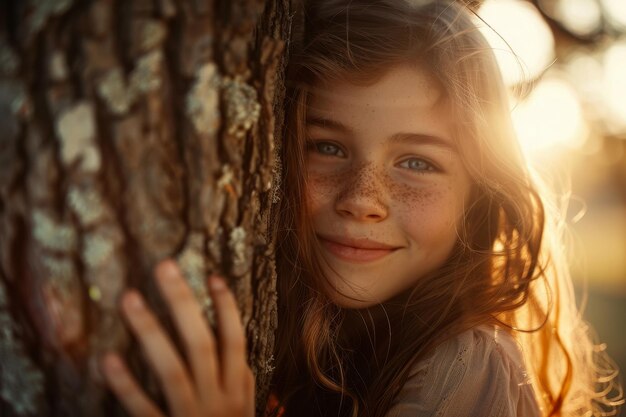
point(132, 131)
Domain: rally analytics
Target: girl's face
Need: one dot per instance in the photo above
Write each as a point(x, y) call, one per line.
point(386, 185)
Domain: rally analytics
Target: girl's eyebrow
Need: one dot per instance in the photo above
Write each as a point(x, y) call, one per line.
point(411, 138)
point(423, 139)
point(327, 123)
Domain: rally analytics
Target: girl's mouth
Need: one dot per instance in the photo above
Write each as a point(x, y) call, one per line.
point(352, 251)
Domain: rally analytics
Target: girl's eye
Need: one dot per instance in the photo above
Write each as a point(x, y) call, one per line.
point(327, 148)
point(417, 164)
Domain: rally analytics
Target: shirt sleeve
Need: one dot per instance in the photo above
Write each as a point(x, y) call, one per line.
point(478, 373)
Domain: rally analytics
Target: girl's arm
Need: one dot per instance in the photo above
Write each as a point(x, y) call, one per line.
point(214, 384)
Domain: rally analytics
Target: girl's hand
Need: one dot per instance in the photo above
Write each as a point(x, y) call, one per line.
point(216, 383)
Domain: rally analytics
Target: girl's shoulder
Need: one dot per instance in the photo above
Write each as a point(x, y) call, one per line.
point(479, 372)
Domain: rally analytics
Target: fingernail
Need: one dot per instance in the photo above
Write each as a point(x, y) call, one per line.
point(133, 301)
point(217, 283)
point(168, 270)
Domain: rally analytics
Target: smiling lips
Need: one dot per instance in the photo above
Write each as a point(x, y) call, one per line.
point(356, 250)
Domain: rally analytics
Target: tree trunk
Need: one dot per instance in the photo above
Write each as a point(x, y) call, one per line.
point(132, 130)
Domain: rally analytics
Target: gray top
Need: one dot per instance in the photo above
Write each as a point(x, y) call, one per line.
point(480, 372)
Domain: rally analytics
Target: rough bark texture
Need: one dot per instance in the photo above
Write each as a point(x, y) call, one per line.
point(132, 130)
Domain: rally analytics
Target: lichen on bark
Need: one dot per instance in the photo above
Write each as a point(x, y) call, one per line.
point(133, 130)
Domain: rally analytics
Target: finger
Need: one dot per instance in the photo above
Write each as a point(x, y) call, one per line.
point(249, 389)
point(231, 335)
point(161, 355)
point(191, 324)
point(126, 389)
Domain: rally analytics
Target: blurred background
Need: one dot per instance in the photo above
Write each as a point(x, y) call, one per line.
point(565, 61)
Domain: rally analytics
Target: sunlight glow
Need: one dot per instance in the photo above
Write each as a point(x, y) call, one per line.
point(615, 83)
point(580, 16)
point(531, 42)
point(587, 74)
point(550, 117)
point(615, 12)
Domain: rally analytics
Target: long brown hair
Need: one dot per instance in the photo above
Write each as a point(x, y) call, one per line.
point(504, 269)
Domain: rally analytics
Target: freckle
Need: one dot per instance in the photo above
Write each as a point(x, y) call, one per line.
point(416, 199)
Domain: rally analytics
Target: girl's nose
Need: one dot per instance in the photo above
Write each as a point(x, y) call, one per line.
point(362, 198)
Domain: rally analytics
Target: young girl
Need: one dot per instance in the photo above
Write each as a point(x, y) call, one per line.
point(420, 267)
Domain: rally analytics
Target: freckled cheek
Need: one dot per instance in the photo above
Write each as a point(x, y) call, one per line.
point(429, 210)
point(321, 187)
